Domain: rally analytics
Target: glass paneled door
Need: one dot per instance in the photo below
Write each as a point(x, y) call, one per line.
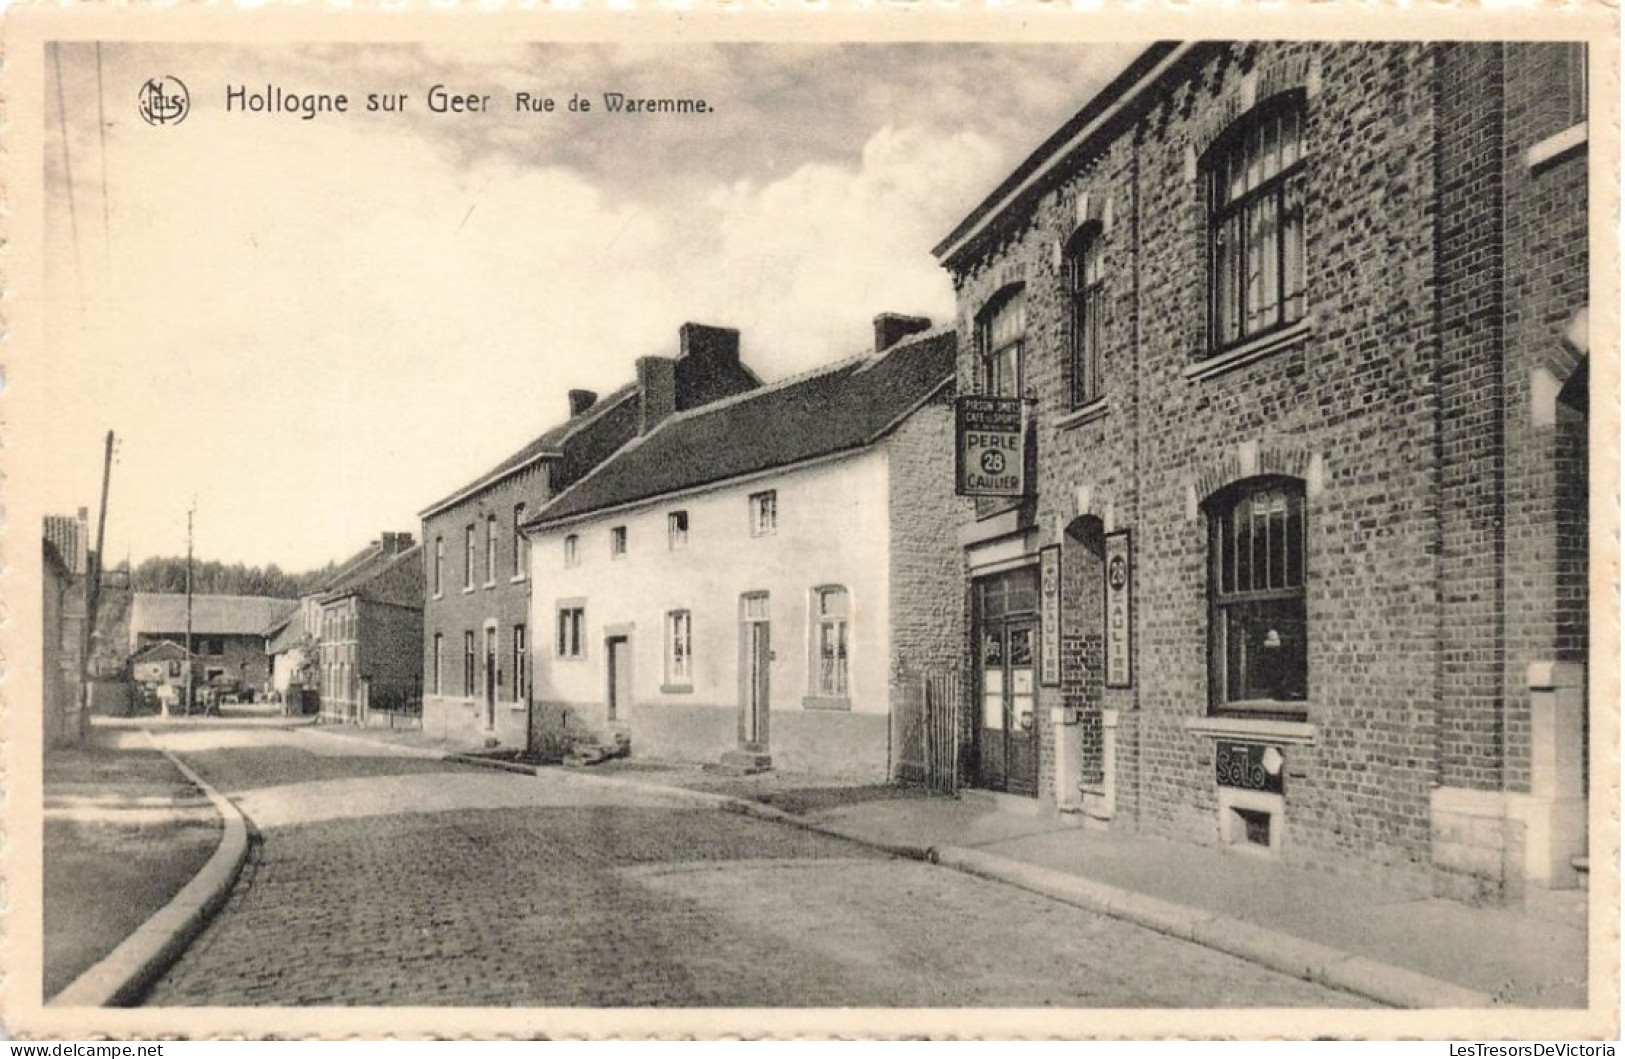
point(1007, 683)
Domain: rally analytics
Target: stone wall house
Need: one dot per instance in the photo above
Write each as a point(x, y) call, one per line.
point(1300, 329)
point(477, 643)
point(63, 635)
point(763, 581)
point(227, 632)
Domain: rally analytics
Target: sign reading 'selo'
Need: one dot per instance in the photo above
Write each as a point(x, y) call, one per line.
point(988, 447)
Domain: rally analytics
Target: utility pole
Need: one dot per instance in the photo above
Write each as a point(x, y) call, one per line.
point(189, 674)
point(93, 572)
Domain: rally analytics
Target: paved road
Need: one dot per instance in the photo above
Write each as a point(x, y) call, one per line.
point(388, 879)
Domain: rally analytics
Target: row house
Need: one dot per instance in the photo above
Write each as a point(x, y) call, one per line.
point(477, 567)
point(1301, 565)
point(370, 633)
point(761, 582)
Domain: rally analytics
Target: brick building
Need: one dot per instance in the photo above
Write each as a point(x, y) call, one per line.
point(371, 633)
point(761, 581)
point(476, 563)
point(1300, 329)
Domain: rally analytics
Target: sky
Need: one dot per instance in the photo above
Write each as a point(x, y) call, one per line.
point(313, 329)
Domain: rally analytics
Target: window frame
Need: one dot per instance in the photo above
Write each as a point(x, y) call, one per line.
point(491, 539)
point(521, 666)
point(679, 650)
point(990, 357)
point(821, 619)
point(439, 667)
point(468, 557)
point(765, 503)
point(570, 642)
point(1228, 268)
point(470, 677)
point(439, 565)
point(572, 550)
point(619, 542)
point(1085, 273)
point(677, 530)
point(1230, 605)
point(521, 544)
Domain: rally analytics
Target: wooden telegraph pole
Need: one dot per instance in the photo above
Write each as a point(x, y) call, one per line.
point(93, 596)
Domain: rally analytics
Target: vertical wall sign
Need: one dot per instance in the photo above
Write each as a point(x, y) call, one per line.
point(1049, 615)
point(1119, 611)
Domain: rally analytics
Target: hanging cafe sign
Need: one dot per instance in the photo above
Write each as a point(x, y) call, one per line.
point(989, 458)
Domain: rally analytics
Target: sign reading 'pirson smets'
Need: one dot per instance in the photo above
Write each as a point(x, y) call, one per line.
point(988, 446)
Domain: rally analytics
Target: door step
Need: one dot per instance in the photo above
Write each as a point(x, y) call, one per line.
point(746, 762)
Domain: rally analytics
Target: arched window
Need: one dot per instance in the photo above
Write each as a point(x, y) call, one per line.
point(1255, 223)
point(1086, 298)
point(1001, 334)
point(1258, 636)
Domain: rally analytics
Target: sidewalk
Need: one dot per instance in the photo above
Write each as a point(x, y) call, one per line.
point(1371, 938)
point(125, 831)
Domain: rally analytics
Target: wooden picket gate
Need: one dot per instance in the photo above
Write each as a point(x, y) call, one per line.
point(942, 731)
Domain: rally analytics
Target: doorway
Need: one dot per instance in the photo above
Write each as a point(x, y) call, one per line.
point(490, 677)
point(618, 652)
point(756, 657)
point(1006, 644)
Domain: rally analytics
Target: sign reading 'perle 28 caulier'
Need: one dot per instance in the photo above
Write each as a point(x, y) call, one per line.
point(987, 447)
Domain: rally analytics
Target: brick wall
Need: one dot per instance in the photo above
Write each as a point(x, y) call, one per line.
point(1354, 409)
point(390, 655)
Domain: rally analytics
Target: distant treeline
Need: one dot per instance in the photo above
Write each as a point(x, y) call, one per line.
point(168, 574)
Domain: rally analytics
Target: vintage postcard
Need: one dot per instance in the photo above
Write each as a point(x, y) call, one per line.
point(1022, 522)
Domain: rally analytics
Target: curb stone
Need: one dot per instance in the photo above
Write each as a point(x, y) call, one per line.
point(1286, 953)
point(121, 977)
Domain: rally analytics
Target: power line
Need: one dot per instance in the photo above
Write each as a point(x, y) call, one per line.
point(67, 164)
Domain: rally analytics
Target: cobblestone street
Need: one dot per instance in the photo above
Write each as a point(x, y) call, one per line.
point(385, 879)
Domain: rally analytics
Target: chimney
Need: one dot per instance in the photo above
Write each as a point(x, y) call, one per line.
point(703, 342)
point(891, 328)
point(395, 543)
point(580, 401)
point(657, 391)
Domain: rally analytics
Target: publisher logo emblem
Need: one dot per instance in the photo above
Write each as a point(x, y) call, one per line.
point(164, 101)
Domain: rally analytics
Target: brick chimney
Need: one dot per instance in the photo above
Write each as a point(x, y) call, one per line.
point(704, 342)
point(580, 401)
point(394, 543)
point(657, 391)
point(891, 328)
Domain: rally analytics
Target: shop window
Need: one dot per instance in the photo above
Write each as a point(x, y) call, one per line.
point(1256, 269)
point(1001, 335)
point(1258, 649)
point(1086, 297)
